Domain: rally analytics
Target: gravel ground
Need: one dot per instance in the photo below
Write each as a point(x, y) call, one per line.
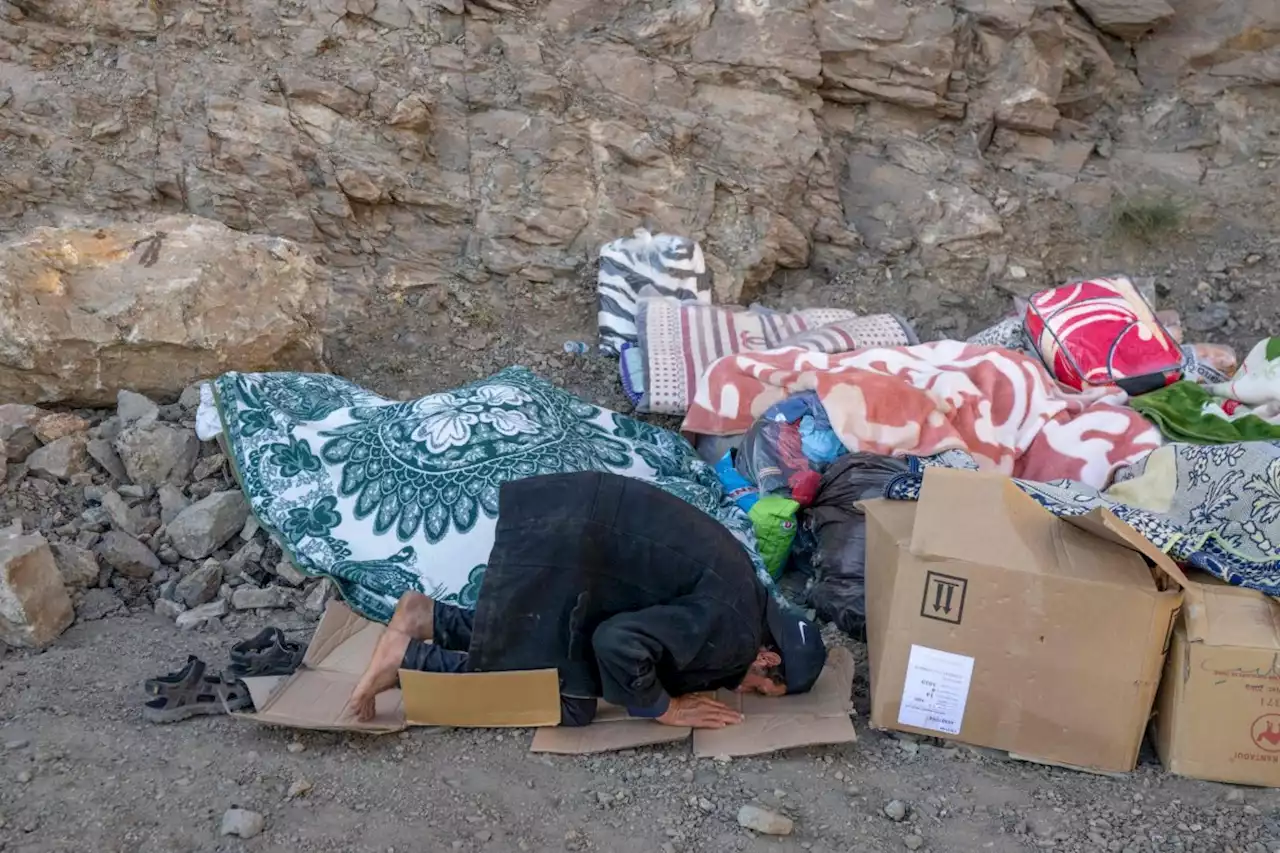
point(83, 771)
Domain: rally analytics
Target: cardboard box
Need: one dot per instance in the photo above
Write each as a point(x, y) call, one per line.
point(317, 696)
point(992, 622)
point(1218, 711)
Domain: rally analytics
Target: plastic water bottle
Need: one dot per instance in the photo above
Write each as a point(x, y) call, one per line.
point(577, 347)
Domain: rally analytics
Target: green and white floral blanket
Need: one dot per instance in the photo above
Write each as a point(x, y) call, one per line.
point(384, 496)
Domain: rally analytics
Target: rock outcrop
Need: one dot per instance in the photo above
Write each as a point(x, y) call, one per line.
point(86, 312)
point(458, 151)
point(1127, 19)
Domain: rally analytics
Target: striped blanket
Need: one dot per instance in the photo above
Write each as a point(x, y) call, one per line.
point(680, 340)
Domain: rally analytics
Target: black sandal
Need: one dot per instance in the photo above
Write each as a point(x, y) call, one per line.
point(156, 686)
point(269, 653)
point(190, 693)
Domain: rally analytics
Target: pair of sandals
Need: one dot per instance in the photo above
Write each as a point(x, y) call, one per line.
point(192, 691)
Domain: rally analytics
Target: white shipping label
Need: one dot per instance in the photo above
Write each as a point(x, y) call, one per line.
point(936, 690)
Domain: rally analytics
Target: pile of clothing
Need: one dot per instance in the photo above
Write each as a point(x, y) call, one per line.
point(1083, 395)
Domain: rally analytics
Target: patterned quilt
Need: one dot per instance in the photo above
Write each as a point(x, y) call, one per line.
point(999, 405)
point(385, 496)
point(1216, 508)
point(678, 341)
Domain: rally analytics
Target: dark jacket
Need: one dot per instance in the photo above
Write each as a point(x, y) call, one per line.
point(630, 592)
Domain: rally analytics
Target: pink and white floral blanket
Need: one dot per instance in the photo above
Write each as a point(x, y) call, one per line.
point(1000, 405)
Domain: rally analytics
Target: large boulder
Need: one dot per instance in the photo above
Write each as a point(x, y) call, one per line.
point(110, 17)
point(86, 312)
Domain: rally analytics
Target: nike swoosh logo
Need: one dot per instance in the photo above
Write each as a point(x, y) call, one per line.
point(802, 639)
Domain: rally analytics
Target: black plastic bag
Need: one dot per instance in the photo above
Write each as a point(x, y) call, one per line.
point(839, 559)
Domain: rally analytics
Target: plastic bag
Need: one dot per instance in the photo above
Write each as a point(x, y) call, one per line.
point(774, 519)
point(839, 559)
point(737, 488)
point(772, 457)
point(1220, 357)
point(818, 441)
point(208, 421)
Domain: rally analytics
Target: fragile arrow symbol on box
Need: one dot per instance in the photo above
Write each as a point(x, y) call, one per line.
point(938, 603)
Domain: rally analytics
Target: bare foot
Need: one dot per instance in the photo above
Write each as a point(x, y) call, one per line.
point(415, 616)
point(383, 673)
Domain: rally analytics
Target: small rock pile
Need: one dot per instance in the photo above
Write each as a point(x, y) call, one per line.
point(124, 511)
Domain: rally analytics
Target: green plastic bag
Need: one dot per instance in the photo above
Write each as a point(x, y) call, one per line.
point(774, 519)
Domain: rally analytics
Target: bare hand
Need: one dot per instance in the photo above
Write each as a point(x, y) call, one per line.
point(699, 712)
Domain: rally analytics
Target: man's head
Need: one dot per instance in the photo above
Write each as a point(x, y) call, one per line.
point(765, 675)
point(795, 656)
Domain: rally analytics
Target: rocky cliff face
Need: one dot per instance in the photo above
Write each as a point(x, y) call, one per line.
point(442, 146)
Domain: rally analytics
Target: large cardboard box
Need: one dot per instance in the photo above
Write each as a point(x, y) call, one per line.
point(1218, 711)
point(992, 622)
point(318, 696)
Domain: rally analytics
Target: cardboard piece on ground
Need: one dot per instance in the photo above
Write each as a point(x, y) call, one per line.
point(820, 716)
point(490, 699)
point(1218, 711)
point(318, 695)
point(611, 730)
point(992, 622)
point(262, 688)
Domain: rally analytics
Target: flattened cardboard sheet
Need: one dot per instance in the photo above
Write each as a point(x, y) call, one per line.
point(820, 716)
point(261, 689)
point(319, 700)
point(318, 695)
point(481, 698)
point(611, 730)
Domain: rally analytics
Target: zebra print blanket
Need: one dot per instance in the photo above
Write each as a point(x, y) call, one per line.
point(656, 264)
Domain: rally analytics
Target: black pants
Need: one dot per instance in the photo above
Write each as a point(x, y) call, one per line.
point(452, 637)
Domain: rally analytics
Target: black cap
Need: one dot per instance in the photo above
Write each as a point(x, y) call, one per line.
point(799, 645)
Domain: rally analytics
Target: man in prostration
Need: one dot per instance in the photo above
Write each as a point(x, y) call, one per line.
point(632, 594)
